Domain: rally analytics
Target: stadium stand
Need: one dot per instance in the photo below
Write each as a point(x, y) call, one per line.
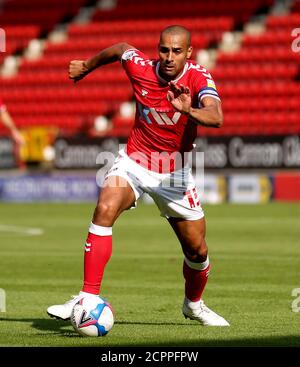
point(32, 12)
point(18, 37)
point(260, 82)
point(132, 9)
point(253, 80)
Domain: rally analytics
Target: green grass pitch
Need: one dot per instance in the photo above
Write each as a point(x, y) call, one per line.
point(254, 252)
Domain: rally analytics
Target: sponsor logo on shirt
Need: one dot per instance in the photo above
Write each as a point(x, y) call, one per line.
point(161, 118)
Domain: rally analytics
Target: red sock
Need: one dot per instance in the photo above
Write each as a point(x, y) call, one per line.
point(195, 279)
point(98, 250)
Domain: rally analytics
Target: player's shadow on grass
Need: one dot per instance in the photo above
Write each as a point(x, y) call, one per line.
point(153, 323)
point(56, 326)
point(64, 328)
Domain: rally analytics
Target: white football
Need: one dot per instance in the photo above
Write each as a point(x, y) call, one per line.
point(92, 316)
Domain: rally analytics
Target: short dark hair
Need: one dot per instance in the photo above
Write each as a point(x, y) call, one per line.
point(177, 29)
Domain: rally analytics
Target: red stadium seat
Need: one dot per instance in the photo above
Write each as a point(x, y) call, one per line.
point(31, 12)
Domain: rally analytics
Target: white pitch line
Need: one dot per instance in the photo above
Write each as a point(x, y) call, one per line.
point(28, 231)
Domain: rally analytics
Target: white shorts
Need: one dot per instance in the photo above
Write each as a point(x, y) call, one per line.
point(175, 194)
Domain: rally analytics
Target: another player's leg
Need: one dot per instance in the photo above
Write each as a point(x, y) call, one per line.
point(116, 196)
point(191, 234)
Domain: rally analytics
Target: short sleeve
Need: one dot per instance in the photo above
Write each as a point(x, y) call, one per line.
point(135, 62)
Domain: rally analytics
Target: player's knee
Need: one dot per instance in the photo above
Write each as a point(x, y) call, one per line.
point(197, 252)
point(105, 214)
point(203, 250)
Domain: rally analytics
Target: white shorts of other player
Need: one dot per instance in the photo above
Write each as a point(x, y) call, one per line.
point(174, 193)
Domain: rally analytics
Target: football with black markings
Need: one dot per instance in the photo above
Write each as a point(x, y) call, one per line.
point(92, 316)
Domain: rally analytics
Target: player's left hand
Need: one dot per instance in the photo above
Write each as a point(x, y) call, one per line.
point(180, 97)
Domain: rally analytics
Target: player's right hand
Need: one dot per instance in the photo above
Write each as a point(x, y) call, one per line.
point(180, 97)
point(77, 70)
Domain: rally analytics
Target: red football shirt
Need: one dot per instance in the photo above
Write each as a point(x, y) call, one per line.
point(159, 129)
